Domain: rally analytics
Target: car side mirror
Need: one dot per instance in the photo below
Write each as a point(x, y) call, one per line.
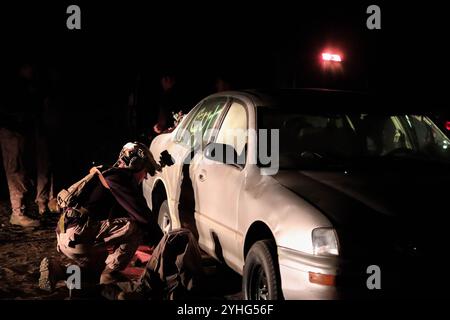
point(223, 153)
point(165, 159)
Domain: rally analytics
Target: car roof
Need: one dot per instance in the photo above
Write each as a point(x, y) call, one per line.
point(307, 98)
point(286, 97)
point(328, 100)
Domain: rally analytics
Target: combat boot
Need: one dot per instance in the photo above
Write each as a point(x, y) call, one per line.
point(50, 273)
point(42, 207)
point(53, 206)
point(23, 221)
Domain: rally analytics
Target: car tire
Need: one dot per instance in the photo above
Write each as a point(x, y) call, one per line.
point(164, 218)
point(261, 280)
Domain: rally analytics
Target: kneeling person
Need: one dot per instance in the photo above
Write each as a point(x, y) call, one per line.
point(115, 214)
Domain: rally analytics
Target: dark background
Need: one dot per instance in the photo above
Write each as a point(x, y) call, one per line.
point(124, 47)
point(260, 43)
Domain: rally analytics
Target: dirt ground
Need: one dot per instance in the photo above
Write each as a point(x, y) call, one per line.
point(21, 251)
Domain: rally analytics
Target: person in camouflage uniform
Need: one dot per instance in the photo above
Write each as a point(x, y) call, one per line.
point(16, 112)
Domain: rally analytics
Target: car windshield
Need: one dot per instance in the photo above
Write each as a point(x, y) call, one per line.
point(336, 138)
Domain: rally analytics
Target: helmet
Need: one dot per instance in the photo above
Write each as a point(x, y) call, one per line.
point(136, 157)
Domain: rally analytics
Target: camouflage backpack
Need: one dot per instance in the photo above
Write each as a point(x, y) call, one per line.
point(173, 272)
point(73, 196)
point(71, 200)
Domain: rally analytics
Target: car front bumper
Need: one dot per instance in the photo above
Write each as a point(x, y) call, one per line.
point(399, 278)
point(295, 269)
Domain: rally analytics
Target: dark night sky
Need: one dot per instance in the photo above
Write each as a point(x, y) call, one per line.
point(243, 38)
point(256, 44)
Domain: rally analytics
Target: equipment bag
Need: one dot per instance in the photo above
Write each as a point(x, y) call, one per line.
point(73, 196)
point(173, 272)
point(71, 200)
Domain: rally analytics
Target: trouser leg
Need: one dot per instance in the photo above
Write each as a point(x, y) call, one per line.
point(125, 235)
point(43, 173)
point(87, 245)
point(12, 145)
point(77, 243)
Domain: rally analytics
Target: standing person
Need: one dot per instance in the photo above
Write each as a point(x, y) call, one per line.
point(51, 145)
point(42, 161)
point(222, 84)
point(17, 115)
point(31, 95)
point(115, 214)
point(169, 104)
point(12, 148)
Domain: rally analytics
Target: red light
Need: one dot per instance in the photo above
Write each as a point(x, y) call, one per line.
point(331, 57)
point(447, 125)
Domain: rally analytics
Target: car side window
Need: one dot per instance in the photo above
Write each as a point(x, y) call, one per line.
point(234, 129)
point(186, 122)
point(200, 127)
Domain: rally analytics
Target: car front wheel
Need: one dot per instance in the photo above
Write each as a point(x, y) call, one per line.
point(261, 279)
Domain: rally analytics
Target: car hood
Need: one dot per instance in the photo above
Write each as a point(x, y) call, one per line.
point(402, 203)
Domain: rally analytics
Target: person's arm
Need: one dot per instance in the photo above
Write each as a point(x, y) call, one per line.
point(100, 176)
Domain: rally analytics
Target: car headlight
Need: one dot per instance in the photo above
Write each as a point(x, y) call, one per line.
point(325, 241)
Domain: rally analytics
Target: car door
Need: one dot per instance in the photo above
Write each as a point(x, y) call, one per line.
point(218, 187)
point(180, 144)
point(195, 135)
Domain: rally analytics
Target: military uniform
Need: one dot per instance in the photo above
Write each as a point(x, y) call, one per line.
point(116, 219)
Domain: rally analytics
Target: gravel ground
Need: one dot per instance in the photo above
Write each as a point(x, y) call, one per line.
point(21, 251)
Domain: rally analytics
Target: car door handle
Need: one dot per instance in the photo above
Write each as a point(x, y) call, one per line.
point(202, 175)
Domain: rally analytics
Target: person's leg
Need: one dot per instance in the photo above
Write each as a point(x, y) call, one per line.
point(76, 243)
point(125, 235)
point(12, 145)
point(43, 172)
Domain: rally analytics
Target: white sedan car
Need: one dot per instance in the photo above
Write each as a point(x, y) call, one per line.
point(284, 190)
